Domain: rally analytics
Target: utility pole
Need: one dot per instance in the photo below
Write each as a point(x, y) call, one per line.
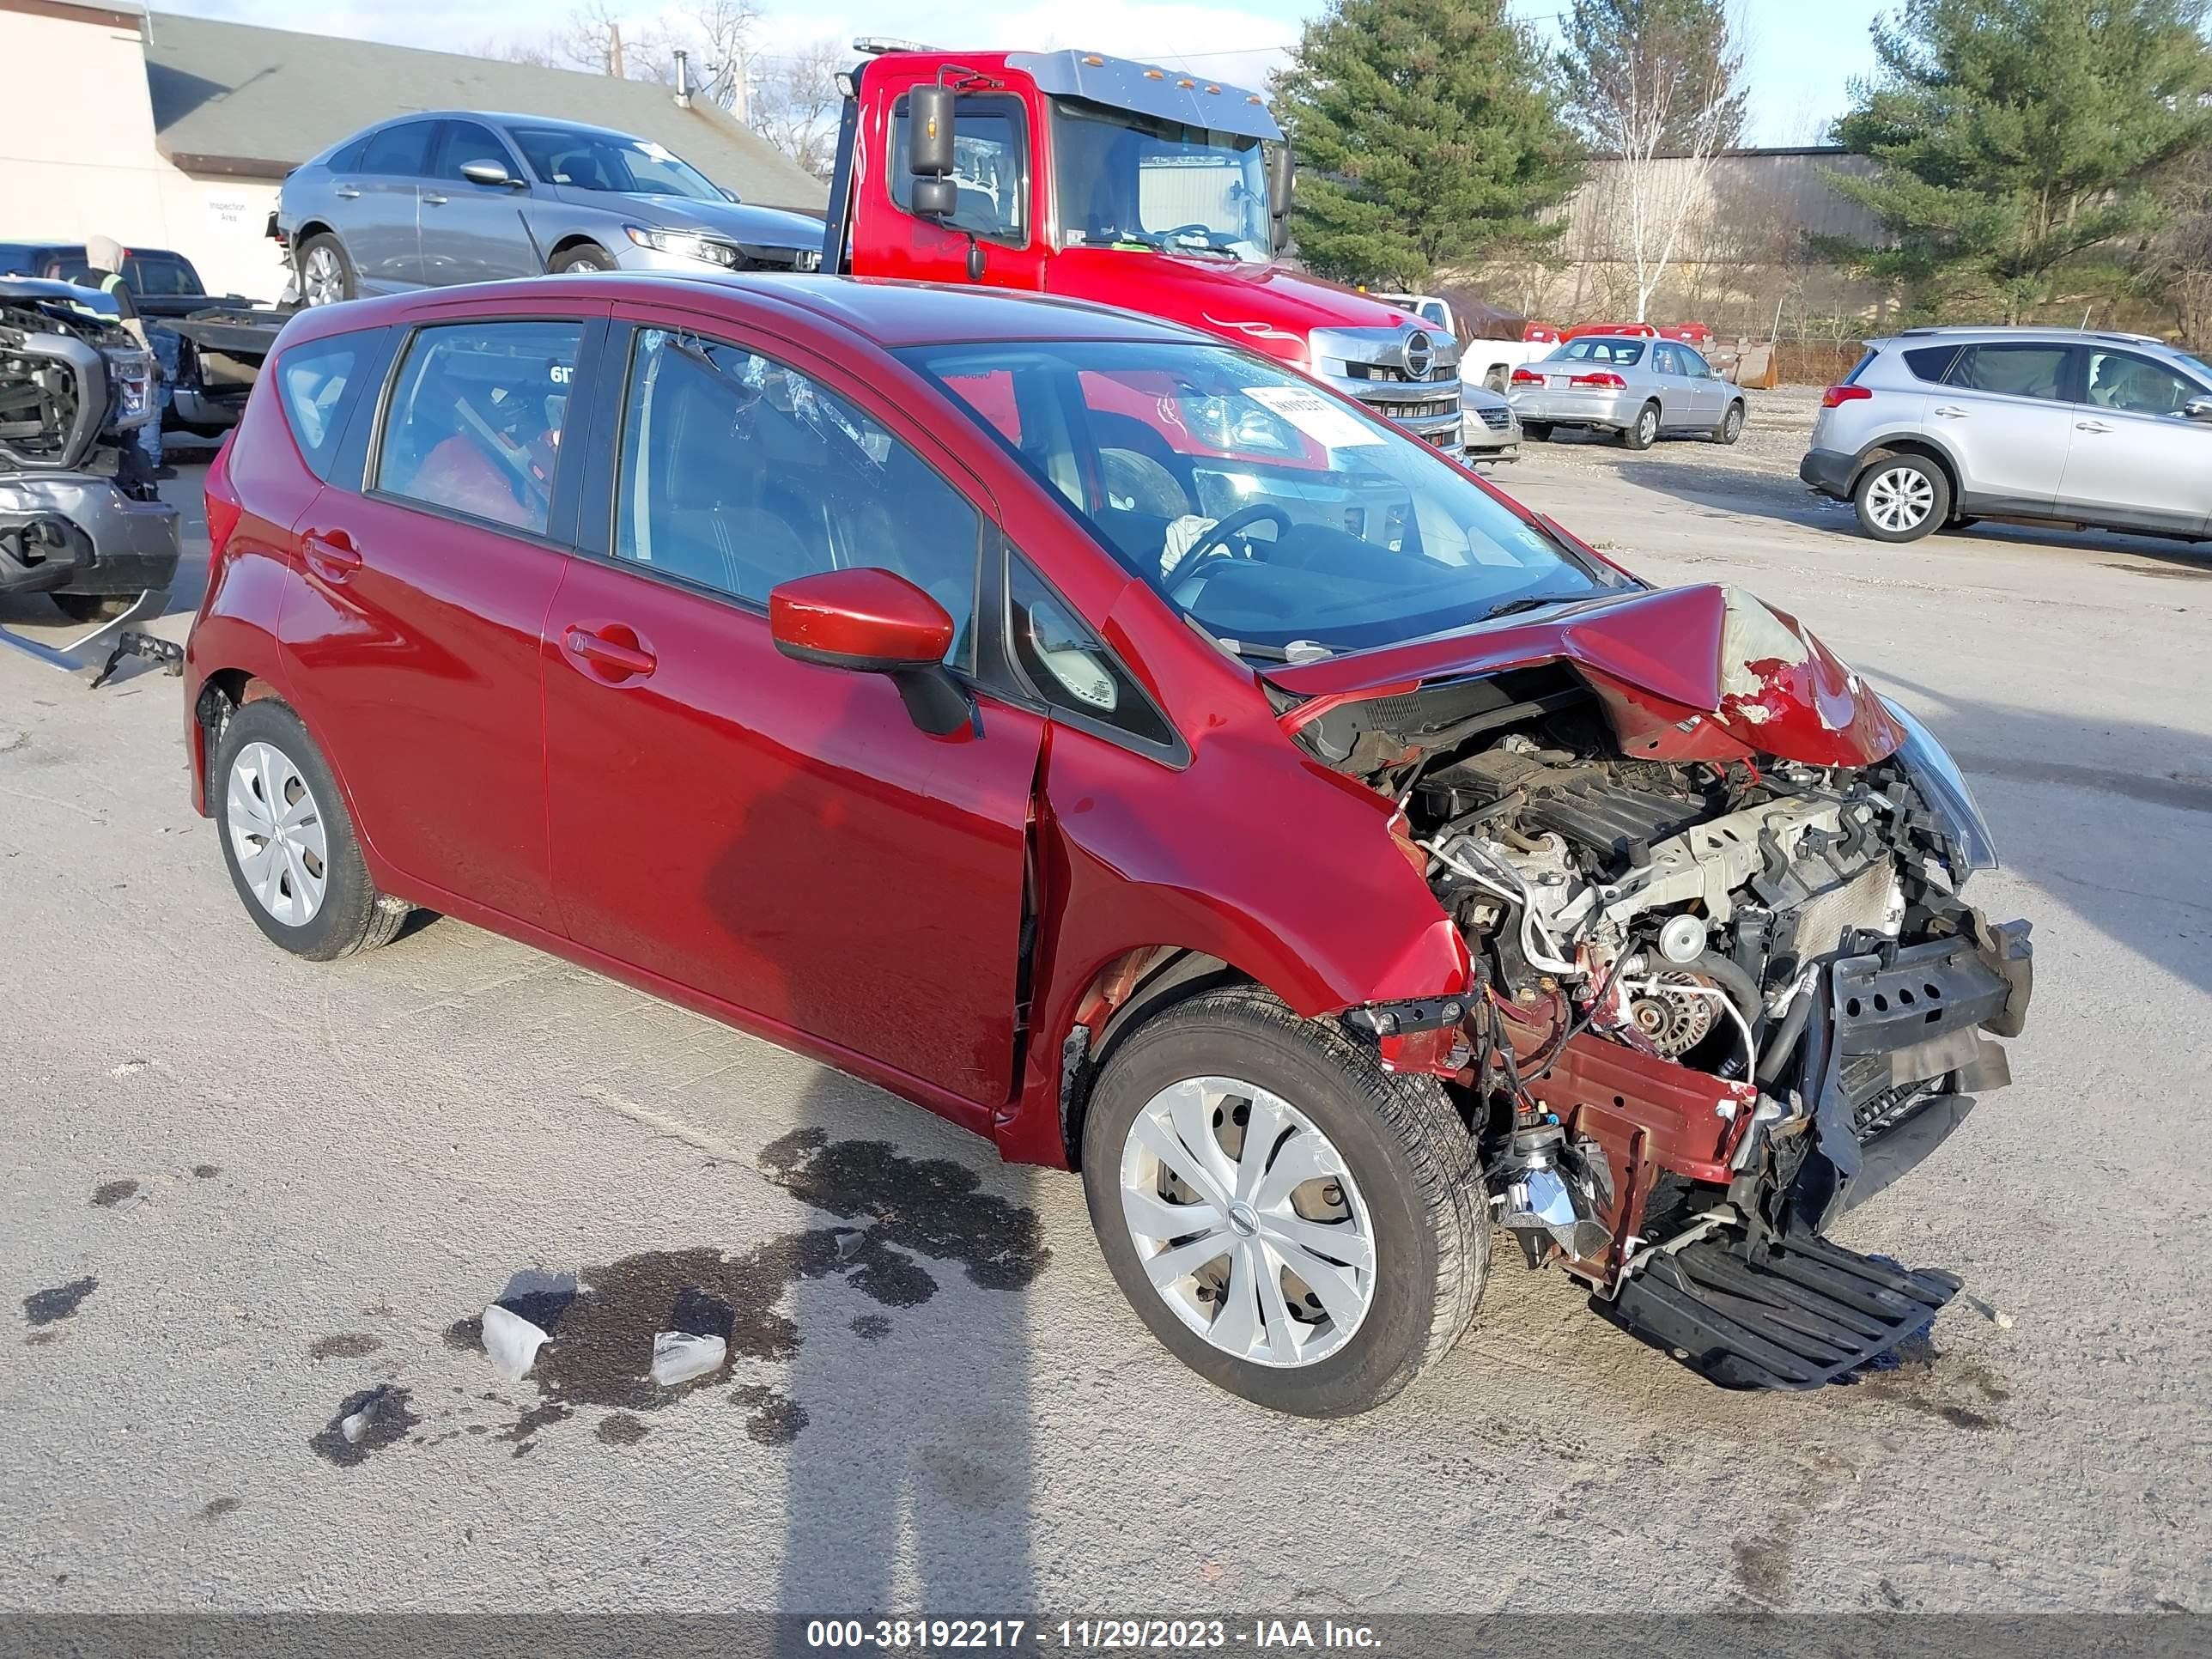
point(614, 51)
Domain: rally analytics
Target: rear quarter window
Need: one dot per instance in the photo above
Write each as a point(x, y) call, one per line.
point(1928, 363)
point(318, 383)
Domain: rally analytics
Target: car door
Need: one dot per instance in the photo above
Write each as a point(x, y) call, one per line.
point(2135, 458)
point(1676, 401)
point(413, 630)
point(378, 221)
point(2004, 412)
point(1708, 392)
point(773, 835)
point(473, 233)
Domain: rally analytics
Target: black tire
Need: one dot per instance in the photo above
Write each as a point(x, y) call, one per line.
point(1643, 431)
point(352, 916)
point(1965, 521)
point(1731, 426)
point(1536, 432)
point(584, 257)
point(1892, 507)
point(93, 607)
point(1404, 1145)
point(348, 282)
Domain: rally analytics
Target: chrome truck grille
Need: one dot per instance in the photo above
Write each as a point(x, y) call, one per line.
point(1409, 375)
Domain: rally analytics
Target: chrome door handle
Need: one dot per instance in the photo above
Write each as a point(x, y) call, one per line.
point(347, 190)
point(1950, 412)
point(429, 200)
point(2090, 426)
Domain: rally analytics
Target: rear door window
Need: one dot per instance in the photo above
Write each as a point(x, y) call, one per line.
point(475, 422)
point(401, 151)
point(316, 383)
point(2011, 370)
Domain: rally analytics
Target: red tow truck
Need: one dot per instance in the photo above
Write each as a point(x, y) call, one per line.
point(1095, 178)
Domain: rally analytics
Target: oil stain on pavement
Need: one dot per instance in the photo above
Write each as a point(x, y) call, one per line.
point(62, 1302)
point(109, 1194)
point(601, 1323)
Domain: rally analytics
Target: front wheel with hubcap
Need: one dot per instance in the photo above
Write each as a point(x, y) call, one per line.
point(1644, 432)
point(584, 257)
point(1297, 1224)
point(1900, 498)
point(288, 841)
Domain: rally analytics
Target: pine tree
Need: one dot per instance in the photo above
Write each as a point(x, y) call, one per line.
point(1426, 133)
point(2019, 139)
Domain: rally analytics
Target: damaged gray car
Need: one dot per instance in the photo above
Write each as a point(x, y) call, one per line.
point(80, 520)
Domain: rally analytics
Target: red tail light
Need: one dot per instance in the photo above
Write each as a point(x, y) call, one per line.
point(1843, 394)
point(1527, 377)
point(1604, 377)
point(223, 506)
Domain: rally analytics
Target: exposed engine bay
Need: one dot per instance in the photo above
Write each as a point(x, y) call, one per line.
point(80, 516)
point(1715, 1001)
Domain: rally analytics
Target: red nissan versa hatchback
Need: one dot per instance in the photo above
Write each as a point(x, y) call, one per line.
point(1118, 744)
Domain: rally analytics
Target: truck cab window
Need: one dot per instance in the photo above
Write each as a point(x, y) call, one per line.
point(991, 170)
point(1123, 179)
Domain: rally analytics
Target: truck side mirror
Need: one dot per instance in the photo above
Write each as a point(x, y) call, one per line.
point(929, 151)
point(1279, 177)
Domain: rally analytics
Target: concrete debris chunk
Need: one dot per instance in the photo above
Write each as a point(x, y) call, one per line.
point(678, 1356)
point(512, 1342)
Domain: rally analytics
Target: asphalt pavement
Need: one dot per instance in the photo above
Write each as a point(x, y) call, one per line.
point(243, 1198)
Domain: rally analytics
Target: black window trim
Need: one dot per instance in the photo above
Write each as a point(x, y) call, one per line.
point(559, 535)
point(601, 494)
point(901, 181)
point(1007, 679)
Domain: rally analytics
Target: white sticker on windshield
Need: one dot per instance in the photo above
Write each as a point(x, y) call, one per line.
point(658, 151)
point(1316, 416)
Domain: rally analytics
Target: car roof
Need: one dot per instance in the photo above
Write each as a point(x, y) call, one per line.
point(493, 118)
point(1618, 339)
point(886, 313)
point(2021, 333)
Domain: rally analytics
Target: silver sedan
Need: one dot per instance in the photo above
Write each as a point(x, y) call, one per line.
point(1635, 387)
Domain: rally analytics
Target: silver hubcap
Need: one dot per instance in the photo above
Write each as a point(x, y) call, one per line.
point(1246, 1221)
point(323, 281)
point(1647, 427)
point(276, 834)
point(1735, 423)
point(1901, 499)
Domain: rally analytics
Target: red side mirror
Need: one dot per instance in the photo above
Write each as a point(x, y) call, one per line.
point(870, 620)
point(874, 622)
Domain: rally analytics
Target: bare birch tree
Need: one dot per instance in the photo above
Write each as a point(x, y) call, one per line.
point(1655, 86)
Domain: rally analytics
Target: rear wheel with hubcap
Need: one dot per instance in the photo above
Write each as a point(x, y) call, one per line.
point(1643, 431)
point(288, 841)
point(1900, 498)
point(325, 273)
point(1294, 1222)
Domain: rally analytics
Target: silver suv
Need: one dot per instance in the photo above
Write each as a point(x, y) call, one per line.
point(465, 197)
point(1945, 425)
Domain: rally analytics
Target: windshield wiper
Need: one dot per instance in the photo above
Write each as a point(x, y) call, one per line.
point(1528, 602)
